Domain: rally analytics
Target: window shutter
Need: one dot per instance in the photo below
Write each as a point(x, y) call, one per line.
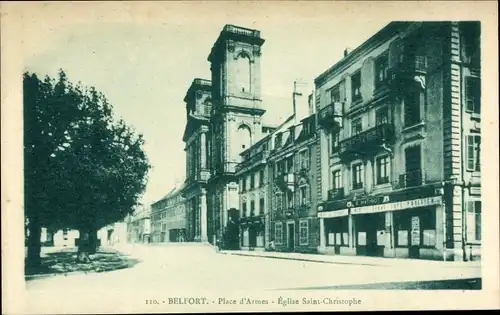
point(308, 197)
point(477, 161)
point(306, 156)
point(469, 143)
point(468, 94)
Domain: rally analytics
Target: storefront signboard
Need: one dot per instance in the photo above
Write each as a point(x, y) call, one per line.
point(333, 214)
point(401, 205)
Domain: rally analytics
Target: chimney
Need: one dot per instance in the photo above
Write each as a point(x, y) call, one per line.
point(301, 92)
point(347, 51)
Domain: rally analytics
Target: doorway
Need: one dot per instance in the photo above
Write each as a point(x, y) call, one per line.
point(370, 234)
point(252, 237)
point(291, 236)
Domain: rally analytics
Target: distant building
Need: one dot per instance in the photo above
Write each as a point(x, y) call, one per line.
point(139, 226)
point(65, 238)
point(113, 234)
point(168, 218)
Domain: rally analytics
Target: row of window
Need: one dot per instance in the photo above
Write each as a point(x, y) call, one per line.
point(413, 174)
point(413, 100)
point(337, 94)
point(287, 165)
point(287, 200)
point(253, 210)
point(382, 173)
point(303, 232)
point(249, 182)
point(167, 202)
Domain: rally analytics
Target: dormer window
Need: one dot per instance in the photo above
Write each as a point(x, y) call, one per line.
point(277, 140)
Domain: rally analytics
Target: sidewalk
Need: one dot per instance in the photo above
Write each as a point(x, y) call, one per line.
point(356, 260)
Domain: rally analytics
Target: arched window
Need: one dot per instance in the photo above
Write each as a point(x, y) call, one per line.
point(244, 136)
point(243, 74)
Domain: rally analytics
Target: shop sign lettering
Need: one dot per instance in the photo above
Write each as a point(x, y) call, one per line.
point(333, 214)
point(401, 205)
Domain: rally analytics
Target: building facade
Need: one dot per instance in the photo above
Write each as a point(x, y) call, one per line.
point(292, 169)
point(113, 234)
point(252, 174)
point(168, 218)
point(139, 226)
point(197, 138)
point(399, 140)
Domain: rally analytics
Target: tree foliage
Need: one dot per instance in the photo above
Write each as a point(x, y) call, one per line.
point(83, 169)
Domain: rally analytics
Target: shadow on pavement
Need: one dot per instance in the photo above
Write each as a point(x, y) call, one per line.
point(458, 284)
point(64, 261)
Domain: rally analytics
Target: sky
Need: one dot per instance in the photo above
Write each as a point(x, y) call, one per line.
point(145, 69)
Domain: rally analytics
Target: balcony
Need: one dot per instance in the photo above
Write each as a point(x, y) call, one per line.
point(330, 117)
point(336, 194)
point(356, 186)
point(368, 142)
point(407, 68)
point(253, 160)
point(410, 179)
point(286, 181)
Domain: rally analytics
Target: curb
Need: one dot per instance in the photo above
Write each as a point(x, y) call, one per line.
point(308, 260)
point(389, 263)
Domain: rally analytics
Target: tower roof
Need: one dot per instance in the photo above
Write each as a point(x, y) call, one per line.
point(198, 84)
point(236, 33)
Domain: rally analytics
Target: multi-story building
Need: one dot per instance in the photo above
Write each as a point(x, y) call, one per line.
point(197, 139)
point(292, 169)
point(252, 174)
point(168, 218)
point(399, 139)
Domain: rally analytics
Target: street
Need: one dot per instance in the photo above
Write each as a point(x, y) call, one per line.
point(198, 269)
point(186, 267)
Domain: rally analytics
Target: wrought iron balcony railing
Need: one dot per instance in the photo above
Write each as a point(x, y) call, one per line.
point(336, 194)
point(411, 179)
point(330, 116)
point(369, 141)
point(257, 158)
point(409, 66)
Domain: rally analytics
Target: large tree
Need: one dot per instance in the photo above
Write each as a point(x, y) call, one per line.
point(83, 169)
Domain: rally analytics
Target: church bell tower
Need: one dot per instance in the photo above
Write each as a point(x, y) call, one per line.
point(236, 118)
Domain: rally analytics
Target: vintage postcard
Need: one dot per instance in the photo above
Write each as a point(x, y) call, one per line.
point(200, 157)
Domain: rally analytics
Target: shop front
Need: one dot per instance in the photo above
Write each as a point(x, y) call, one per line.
point(335, 234)
point(405, 229)
point(252, 233)
point(399, 224)
point(370, 234)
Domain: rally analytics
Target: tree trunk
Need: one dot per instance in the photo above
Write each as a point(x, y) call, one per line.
point(34, 247)
point(87, 244)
